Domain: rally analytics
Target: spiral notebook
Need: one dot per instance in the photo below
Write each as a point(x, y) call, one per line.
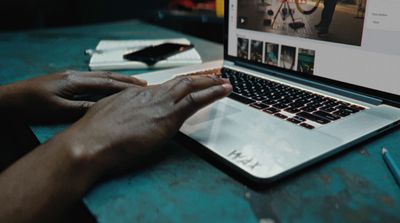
point(109, 55)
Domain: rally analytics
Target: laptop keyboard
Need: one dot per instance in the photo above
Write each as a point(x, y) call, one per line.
point(300, 107)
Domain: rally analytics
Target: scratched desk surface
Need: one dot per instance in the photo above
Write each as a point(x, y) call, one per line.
point(353, 186)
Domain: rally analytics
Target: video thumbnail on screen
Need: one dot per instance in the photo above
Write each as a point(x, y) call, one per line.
point(288, 57)
point(305, 61)
point(277, 55)
point(243, 48)
point(256, 51)
point(271, 54)
point(338, 21)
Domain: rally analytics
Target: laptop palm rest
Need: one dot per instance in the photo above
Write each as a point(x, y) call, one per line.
point(261, 145)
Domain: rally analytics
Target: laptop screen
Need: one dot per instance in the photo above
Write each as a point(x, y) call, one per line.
point(352, 41)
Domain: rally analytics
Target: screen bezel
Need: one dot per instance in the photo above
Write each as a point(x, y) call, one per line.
point(386, 97)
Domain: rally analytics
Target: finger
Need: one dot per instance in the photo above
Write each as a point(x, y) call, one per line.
point(171, 83)
point(197, 100)
point(74, 109)
point(102, 86)
point(117, 77)
point(182, 86)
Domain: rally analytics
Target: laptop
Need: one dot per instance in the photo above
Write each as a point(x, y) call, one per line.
point(303, 88)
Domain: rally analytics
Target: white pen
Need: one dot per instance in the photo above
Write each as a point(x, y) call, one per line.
point(91, 52)
point(392, 165)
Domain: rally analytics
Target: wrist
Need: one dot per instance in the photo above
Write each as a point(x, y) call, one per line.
point(4, 101)
point(85, 154)
point(10, 99)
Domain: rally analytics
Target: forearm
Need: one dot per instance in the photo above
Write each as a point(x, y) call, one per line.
point(45, 184)
point(3, 98)
point(10, 99)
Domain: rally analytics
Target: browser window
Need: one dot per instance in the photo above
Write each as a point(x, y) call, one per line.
point(353, 41)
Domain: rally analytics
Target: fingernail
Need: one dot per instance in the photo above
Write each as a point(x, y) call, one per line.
point(228, 87)
point(143, 81)
point(225, 80)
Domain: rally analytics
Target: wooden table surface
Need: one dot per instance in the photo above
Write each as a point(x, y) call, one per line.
point(186, 186)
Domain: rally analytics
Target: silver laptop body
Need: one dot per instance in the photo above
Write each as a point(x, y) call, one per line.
point(265, 147)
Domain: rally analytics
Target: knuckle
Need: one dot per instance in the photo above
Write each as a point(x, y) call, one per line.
point(57, 102)
point(70, 75)
point(108, 76)
point(67, 72)
point(84, 106)
point(187, 82)
point(130, 91)
point(165, 117)
point(145, 95)
point(191, 100)
point(142, 95)
point(215, 79)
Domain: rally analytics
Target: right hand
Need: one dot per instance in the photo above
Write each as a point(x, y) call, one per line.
point(122, 129)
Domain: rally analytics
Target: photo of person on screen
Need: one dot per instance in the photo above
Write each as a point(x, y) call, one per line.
point(326, 17)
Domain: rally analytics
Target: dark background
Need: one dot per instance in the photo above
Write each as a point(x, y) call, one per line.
point(16, 15)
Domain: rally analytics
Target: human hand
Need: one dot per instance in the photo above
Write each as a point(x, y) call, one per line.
point(121, 130)
point(63, 96)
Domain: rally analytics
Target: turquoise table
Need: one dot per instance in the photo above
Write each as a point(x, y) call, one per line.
point(353, 186)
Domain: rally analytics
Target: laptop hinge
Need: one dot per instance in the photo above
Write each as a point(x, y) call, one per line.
point(325, 87)
point(228, 63)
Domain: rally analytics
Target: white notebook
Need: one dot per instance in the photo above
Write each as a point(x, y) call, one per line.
point(109, 55)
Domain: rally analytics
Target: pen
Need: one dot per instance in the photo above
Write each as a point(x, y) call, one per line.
point(393, 167)
point(90, 52)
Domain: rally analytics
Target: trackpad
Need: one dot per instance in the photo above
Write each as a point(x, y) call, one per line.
point(215, 111)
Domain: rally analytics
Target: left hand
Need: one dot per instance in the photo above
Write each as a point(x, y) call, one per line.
point(61, 97)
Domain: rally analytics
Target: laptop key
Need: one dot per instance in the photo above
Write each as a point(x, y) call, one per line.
point(308, 109)
point(296, 105)
point(301, 102)
point(292, 120)
point(258, 98)
point(285, 101)
point(300, 119)
point(328, 109)
point(305, 125)
point(281, 106)
point(259, 105)
point(331, 104)
point(271, 110)
point(292, 110)
point(279, 115)
point(342, 113)
point(327, 115)
point(313, 118)
point(315, 105)
point(269, 102)
point(347, 109)
point(344, 103)
point(357, 107)
point(241, 99)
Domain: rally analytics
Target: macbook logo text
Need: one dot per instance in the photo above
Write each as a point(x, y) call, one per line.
point(244, 159)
